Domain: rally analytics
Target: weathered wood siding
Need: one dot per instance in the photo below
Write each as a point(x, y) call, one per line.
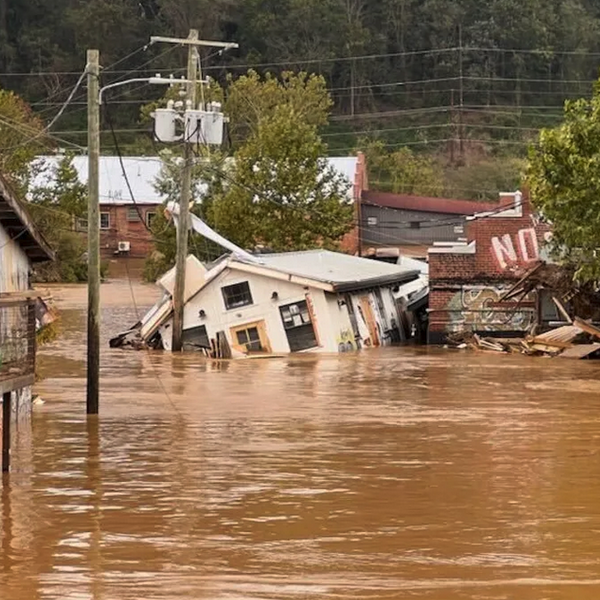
point(14, 265)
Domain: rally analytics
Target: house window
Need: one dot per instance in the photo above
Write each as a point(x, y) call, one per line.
point(249, 339)
point(197, 337)
point(150, 216)
point(298, 326)
point(133, 214)
point(237, 295)
point(415, 224)
point(372, 221)
point(104, 220)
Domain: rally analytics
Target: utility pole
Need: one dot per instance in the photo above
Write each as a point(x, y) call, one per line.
point(193, 43)
point(454, 132)
point(461, 99)
point(93, 340)
point(184, 206)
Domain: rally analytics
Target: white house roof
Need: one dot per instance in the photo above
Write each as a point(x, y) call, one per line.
point(345, 165)
point(343, 271)
point(142, 173)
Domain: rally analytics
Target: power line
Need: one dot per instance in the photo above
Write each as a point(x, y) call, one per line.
point(284, 63)
point(123, 170)
point(56, 117)
point(30, 132)
point(425, 52)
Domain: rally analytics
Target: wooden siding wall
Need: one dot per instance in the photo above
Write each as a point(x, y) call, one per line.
point(14, 265)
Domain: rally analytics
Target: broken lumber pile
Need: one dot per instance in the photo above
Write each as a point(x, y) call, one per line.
point(580, 340)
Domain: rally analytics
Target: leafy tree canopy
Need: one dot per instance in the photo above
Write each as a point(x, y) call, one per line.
point(282, 193)
point(57, 209)
point(564, 181)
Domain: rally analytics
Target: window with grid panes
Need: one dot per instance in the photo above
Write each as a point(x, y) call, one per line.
point(298, 326)
point(250, 339)
point(237, 295)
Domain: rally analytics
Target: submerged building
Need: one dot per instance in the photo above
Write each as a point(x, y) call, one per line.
point(21, 312)
point(312, 301)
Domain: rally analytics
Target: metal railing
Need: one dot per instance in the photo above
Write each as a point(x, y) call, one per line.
point(17, 342)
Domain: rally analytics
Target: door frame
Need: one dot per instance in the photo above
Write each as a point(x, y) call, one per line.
point(261, 326)
point(371, 320)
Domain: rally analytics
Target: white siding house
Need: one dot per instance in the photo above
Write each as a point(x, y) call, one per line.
point(314, 301)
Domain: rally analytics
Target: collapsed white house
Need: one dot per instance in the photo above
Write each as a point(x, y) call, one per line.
point(312, 301)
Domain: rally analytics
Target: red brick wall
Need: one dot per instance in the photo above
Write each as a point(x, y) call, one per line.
point(123, 230)
point(350, 243)
point(506, 247)
point(451, 267)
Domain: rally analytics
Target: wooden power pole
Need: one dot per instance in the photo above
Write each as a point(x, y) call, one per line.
point(93, 330)
point(193, 43)
point(184, 205)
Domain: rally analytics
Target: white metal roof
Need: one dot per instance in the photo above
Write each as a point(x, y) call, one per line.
point(143, 173)
point(334, 267)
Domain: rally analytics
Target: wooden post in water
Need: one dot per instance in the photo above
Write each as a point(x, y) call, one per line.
point(93, 329)
point(6, 414)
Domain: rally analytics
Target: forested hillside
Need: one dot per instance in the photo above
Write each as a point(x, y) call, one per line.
point(453, 78)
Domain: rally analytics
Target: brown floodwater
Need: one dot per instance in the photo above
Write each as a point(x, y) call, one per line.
point(393, 474)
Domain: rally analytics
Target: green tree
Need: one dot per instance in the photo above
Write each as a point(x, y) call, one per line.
point(564, 181)
point(206, 181)
point(21, 137)
point(282, 192)
point(252, 98)
point(56, 209)
point(402, 171)
point(483, 179)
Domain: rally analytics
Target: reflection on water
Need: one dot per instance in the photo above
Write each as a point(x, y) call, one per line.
point(417, 474)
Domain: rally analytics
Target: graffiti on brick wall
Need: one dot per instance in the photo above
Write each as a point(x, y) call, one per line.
point(482, 310)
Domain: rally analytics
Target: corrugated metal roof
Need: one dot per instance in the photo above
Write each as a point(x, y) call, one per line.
point(142, 172)
point(427, 204)
point(340, 270)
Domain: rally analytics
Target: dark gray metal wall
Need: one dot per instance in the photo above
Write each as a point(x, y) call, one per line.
point(398, 227)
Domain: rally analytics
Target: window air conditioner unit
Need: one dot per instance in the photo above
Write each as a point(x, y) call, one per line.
point(124, 246)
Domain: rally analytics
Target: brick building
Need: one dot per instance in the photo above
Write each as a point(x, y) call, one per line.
point(468, 279)
point(124, 224)
point(125, 228)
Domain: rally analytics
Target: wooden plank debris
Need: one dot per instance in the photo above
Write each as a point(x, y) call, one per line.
point(587, 327)
point(562, 310)
point(564, 335)
point(580, 351)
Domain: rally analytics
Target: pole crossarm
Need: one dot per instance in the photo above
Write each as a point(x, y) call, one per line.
point(191, 42)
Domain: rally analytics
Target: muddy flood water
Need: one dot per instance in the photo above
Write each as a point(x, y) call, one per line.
point(394, 474)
